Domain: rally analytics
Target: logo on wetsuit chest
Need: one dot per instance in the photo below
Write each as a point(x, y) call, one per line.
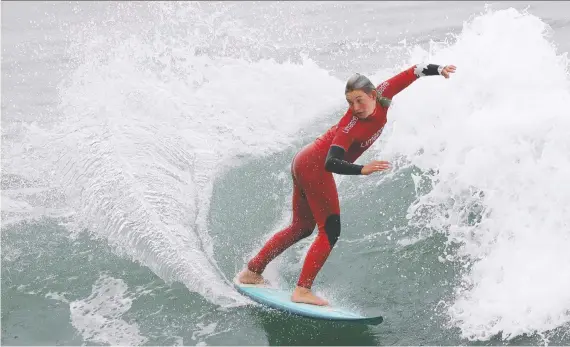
point(350, 125)
point(381, 88)
point(372, 139)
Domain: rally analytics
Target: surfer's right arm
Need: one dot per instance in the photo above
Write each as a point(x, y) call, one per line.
point(335, 163)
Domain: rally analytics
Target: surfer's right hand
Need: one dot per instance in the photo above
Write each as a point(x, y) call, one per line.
point(375, 165)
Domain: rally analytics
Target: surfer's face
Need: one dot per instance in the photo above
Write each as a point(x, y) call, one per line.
point(361, 104)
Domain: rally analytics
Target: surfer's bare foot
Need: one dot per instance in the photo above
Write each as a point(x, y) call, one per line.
point(305, 296)
point(249, 277)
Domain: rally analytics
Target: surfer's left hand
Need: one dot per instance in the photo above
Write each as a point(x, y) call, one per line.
point(447, 70)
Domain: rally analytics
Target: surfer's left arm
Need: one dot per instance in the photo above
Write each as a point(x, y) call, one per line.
point(396, 84)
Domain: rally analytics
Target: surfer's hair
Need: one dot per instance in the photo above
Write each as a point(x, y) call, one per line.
point(361, 82)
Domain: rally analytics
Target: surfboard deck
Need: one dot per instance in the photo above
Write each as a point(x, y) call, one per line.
point(281, 300)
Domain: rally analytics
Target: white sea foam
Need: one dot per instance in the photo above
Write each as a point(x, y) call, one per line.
point(98, 318)
point(147, 124)
point(494, 142)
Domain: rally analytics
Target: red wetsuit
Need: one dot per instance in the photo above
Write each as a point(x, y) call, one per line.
point(315, 198)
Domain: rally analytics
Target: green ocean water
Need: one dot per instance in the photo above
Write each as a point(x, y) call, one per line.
point(146, 150)
point(368, 270)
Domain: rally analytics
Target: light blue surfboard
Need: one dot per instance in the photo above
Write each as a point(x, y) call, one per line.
point(281, 300)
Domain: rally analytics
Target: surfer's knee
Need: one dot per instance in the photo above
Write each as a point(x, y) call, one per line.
point(302, 228)
point(306, 230)
point(332, 228)
point(306, 233)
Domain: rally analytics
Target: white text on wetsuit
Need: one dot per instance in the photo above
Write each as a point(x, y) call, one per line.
point(372, 139)
point(350, 125)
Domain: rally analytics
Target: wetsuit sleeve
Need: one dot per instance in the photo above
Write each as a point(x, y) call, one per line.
point(396, 84)
point(335, 162)
point(342, 139)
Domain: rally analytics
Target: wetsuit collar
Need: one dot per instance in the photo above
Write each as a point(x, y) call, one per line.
point(373, 114)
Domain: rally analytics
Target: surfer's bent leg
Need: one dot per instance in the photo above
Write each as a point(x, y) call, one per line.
point(302, 225)
point(323, 200)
